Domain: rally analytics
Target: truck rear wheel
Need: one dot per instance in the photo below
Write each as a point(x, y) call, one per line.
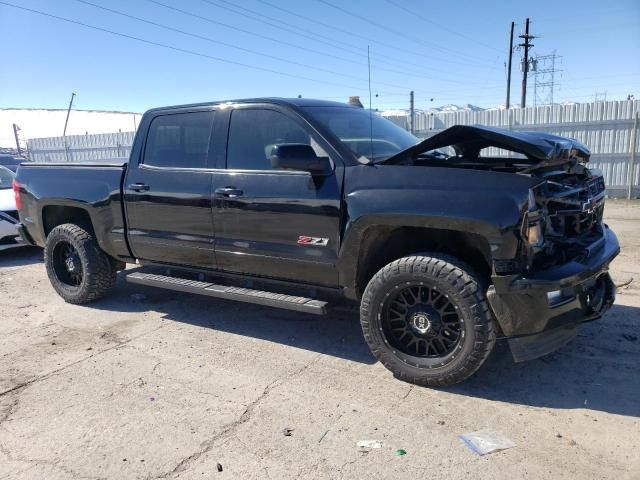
point(426, 318)
point(78, 270)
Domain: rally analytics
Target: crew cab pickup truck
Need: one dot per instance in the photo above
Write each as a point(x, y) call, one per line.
point(472, 235)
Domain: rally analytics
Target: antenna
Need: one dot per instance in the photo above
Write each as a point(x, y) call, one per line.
point(370, 109)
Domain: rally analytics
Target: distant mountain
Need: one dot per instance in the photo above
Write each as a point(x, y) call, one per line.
point(398, 112)
point(457, 108)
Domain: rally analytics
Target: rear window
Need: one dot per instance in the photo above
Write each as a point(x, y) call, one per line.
point(179, 140)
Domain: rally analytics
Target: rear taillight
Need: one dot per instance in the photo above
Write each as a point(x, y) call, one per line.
point(16, 194)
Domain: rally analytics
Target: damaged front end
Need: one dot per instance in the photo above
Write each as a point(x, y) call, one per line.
point(563, 220)
point(557, 276)
point(566, 249)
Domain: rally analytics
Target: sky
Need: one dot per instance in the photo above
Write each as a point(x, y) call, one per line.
point(173, 52)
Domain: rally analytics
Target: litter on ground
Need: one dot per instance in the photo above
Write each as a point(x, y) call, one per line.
point(484, 442)
point(366, 445)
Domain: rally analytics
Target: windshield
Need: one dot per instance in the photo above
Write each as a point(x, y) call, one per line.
point(6, 177)
point(366, 135)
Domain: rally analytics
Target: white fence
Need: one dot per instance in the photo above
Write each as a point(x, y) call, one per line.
point(102, 148)
point(609, 129)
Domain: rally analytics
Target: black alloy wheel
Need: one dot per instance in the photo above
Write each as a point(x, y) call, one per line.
point(67, 265)
point(77, 268)
point(427, 319)
point(420, 321)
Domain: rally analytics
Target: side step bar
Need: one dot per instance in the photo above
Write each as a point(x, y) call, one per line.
point(269, 299)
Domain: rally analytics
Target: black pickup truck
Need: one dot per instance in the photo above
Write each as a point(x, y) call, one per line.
point(449, 243)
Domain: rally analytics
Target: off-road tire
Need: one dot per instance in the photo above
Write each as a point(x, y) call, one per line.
point(464, 290)
point(98, 269)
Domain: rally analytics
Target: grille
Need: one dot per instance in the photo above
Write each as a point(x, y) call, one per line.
point(596, 186)
point(576, 224)
point(580, 213)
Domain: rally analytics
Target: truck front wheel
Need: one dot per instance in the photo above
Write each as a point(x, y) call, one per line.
point(426, 318)
point(78, 270)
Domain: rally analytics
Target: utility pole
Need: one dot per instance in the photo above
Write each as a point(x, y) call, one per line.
point(64, 133)
point(525, 66)
point(412, 113)
point(508, 103)
point(16, 129)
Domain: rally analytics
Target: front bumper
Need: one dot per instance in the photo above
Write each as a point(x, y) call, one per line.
point(548, 304)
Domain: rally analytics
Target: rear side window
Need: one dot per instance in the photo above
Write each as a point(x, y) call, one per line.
point(254, 132)
point(180, 140)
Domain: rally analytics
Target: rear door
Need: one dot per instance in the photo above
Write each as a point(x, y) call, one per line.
point(168, 190)
point(275, 223)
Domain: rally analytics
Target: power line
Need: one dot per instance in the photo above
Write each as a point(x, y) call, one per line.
point(229, 45)
point(447, 29)
point(395, 32)
point(389, 59)
point(260, 17)
point(297, 46)
point(248, 32)
point(177, 49)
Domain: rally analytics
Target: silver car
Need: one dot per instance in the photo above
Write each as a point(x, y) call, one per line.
point(9, 236)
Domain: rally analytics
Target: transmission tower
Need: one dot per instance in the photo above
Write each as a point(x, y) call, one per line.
point(600, 97)
point(545, 82)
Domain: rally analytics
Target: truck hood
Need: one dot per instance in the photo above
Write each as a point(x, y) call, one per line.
point(540, 149)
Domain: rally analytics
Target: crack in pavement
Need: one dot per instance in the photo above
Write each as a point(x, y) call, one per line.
point(10, 411)
point(52, 373)
point(39, 461)
point(350, 462)
point(408, 392)
point(230, 428)
point(18, 388)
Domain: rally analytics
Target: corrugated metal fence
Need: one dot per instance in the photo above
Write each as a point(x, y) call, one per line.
point(102, 147)
point(609, 129)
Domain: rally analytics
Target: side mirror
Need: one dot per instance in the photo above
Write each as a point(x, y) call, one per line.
point(299, 156)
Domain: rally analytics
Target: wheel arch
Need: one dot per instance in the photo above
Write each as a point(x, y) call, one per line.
point(378, 244)
point(54, 215)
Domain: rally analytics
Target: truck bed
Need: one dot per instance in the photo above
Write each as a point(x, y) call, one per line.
point(91, 189)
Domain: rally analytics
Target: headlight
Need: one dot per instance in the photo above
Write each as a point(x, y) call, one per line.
point(554, 297)
point(534, 234)
point(533, 222)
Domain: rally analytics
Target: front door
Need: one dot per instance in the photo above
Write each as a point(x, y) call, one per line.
point(168, 192)
point(275, 223)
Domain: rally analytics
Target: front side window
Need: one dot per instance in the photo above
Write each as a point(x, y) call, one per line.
point(254, 132)
point(180, 140)
point(365, 133)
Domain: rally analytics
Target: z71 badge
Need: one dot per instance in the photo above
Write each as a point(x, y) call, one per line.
point(319, 241)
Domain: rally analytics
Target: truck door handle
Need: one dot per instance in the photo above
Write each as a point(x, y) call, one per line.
point(228, 192)
point(139, 187)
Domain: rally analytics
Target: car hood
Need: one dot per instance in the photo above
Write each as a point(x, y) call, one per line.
point(541, 149)
point(7, 200)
